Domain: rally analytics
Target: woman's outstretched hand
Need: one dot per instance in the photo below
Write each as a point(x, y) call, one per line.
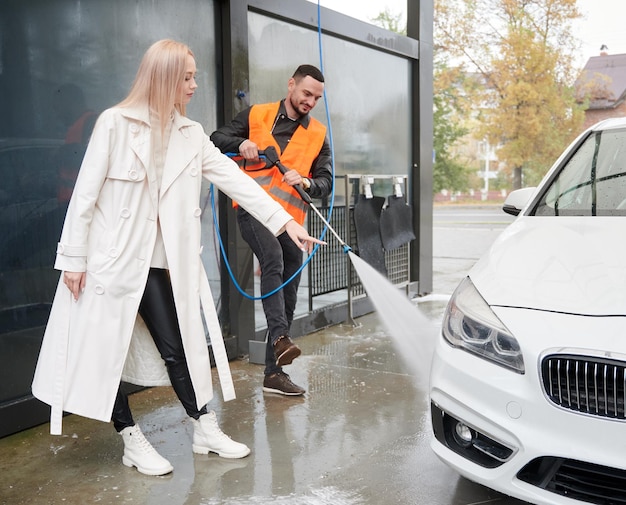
point(301, 237)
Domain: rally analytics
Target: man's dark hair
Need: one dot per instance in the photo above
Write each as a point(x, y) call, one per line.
point(304, 70)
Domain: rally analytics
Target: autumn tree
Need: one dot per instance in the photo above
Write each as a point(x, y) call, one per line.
point(523, 49)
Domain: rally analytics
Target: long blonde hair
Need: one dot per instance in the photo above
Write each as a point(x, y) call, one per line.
point(160, 72)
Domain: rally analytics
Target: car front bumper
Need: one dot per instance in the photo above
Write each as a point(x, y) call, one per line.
point(519, 438)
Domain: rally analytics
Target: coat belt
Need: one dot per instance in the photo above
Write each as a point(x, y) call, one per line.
point(217, 340)
point(58, 391)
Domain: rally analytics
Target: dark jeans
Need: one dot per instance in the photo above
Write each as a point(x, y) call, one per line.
point(159, 313)
point(279, 258)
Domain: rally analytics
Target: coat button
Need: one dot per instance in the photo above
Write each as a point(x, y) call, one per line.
point(113, 252)
point(60, 248)
point(134, 128)
point(132, 174)
point(193, 172)
point(125, 213)
point(197, 212)
point(99, 289)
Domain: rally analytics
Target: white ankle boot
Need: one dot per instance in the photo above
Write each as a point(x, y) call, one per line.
point(140, 453)
point(207, 437)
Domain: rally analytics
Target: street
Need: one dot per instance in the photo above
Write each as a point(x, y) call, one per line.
point(461, 235)
point(465, 216)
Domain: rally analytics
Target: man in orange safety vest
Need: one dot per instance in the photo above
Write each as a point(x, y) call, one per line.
point(300, 140)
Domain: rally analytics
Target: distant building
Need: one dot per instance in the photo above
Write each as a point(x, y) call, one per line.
point(603, 83)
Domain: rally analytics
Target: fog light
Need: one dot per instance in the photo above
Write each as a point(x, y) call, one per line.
point(463, 434)
point(468, 442)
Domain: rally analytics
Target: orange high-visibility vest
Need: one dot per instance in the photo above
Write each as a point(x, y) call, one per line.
point(300, 153)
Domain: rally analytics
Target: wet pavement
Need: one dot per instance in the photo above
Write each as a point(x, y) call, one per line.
point(360, 435)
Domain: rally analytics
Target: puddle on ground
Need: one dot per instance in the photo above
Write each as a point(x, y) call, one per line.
point(412, 332)
point(321, 496)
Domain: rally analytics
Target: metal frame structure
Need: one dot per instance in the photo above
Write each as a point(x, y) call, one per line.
point(330, 270)
point(417, 47)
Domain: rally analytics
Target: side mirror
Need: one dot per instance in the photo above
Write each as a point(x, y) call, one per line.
point(517, 200)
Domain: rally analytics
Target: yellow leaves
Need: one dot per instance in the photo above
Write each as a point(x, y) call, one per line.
point(523, 49)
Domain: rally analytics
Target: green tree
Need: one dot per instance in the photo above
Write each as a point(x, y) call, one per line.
point(448, 113)
point(392, 22)
point(523, 49)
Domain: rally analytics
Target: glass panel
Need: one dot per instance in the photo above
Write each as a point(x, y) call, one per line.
point(366, 11)
point(63, 62)
point(593, 182)
point(368, 100)
point(370, 117)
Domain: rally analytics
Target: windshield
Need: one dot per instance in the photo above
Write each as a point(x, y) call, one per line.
point(592, 182)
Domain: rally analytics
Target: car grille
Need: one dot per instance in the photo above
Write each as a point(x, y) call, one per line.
point(589, 385)
point(577, 480)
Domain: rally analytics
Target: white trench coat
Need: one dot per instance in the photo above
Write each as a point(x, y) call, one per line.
point(110, 232)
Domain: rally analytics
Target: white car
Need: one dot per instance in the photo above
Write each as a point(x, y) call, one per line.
point(528, 382)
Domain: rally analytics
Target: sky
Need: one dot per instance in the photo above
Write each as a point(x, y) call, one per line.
point(603, 21)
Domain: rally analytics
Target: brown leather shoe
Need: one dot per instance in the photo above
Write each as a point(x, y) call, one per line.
point(285, 351)
point(280, 383)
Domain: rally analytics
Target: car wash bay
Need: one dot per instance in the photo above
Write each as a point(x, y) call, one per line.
point(246, 50)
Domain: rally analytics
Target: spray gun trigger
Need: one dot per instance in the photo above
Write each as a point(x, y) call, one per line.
point(271, 156)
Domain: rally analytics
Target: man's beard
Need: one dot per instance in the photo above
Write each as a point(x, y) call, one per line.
point(296, 106)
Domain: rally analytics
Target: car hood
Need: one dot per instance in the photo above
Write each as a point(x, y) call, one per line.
point(575, 265)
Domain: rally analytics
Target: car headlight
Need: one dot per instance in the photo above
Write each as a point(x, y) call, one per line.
point(470, 324)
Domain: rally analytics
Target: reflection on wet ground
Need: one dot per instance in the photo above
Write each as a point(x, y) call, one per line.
point(360, 435)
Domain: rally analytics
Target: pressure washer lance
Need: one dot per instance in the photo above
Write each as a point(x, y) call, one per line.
point(272, 159)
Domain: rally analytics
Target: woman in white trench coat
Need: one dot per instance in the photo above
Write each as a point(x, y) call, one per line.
point(131, 245)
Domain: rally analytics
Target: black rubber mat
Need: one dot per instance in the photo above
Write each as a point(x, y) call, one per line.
point(396, 223)
point(367, 221)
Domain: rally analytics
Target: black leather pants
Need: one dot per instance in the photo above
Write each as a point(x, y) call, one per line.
point(159, 313)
